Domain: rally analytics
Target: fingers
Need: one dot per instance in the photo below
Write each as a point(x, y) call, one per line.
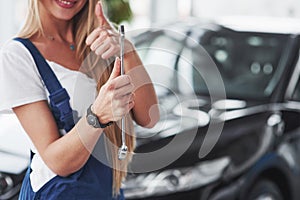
point(116, 71)
point(110, 108)
point(121, 84)
point(117, 106)
point(124, 100)
point(122, 96)
point(98, 39)
point(128, 107)
point(93, 36)
point(108, 49)
point(101, 34)
point(127, 99)
point(115, 98)
point(123, 90)
point(103, 40)
point(100, 14)
point(103, 24)
point(122, 106)
point(115, 81)
point(103, 43)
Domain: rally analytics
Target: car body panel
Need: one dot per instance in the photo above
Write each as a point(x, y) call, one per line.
point(260, 133)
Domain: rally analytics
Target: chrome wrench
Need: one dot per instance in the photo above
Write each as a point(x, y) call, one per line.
point(123, 149)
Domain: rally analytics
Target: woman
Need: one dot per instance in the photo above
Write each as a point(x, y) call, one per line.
point(66, 32)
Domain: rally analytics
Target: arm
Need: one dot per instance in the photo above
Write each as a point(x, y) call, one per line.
point(67, 154)
point(145, 111)
point(63, 155)
point(105, 44)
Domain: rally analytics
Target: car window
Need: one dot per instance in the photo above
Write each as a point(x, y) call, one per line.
point(159, 57)
point(249, 63)
point(190, 65)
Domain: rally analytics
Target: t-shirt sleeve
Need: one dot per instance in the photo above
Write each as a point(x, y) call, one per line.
point(20, 82)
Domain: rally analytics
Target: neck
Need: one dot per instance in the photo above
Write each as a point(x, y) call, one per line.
point(61, 30)
point(60, 33)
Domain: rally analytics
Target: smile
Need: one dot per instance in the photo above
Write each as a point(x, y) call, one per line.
point(65, 3)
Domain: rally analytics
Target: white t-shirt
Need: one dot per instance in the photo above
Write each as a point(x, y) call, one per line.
point(21, 83)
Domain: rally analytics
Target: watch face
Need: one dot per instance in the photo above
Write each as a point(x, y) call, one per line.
point(91, 120)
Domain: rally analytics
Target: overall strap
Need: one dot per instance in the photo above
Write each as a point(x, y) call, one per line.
point(59, 98)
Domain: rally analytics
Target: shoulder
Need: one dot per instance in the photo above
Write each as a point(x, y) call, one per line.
point(16, 68)
point(14, 47)
point(14, 53)
point(14, 56)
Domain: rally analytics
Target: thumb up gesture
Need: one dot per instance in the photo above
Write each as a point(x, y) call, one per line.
point(104, 41)
point(100, 15)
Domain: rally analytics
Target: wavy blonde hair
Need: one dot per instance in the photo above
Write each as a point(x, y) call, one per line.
point(84, 23)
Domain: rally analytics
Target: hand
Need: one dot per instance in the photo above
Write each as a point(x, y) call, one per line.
point(115, 98)
point(104, 40)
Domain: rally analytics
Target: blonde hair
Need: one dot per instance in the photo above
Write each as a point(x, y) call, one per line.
point(84, 23)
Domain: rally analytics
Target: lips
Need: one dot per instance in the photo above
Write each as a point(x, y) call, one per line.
point(66, 3)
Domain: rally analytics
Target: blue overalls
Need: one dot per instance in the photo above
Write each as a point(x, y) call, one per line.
point(94, 180)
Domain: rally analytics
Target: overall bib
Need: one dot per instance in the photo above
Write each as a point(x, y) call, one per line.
point(94, 180)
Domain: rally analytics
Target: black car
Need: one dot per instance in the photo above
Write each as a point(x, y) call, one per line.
point(229, 94)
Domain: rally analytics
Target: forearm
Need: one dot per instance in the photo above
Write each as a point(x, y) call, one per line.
point(145, 111)
point(63, 155)
point(69, 153)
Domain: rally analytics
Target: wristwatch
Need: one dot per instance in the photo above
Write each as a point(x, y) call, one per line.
point(93, 120)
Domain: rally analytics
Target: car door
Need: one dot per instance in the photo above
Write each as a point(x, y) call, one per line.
point(290, 146)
